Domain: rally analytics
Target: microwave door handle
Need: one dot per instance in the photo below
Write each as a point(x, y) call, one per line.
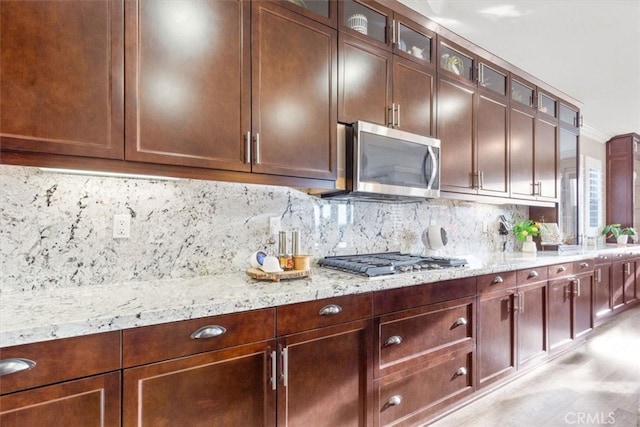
point(434, 165)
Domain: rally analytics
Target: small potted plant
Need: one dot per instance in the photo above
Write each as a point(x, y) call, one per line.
point(620, 234)
point(525, 231)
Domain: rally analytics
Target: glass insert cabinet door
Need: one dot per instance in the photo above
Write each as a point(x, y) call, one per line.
point(522, 93)
point(547, 105)
point(364, 20)
point(492, 79)
point(456, 62)
point(569, 116)
point(412, 42)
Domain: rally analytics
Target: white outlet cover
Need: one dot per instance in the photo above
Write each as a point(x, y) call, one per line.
point(122, 226)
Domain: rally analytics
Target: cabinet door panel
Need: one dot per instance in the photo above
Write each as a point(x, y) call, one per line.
point(560, 308)
point(294, 80)
point(365, 82)
point(546, 163)
point(532, 324)
point(617, 284)
point(93, 401)
point(492, 146)
point(521, 149)
point(222, 388)
point(62, 78)
point(328, 377)
point(188, 88)
point(602, 293)
point(583, 308)
point(455, 131)
point(496, 336)
point(413, 87)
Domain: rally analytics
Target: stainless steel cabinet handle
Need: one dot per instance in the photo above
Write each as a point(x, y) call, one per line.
point(599, 275)
point(460, 321)
point(285, 366)
point(398, 118)
point(330, 310)
point(274, 370)
point(516, 302)
point(481, 180)
point(393, 115)
point(461, 371)
point(14, 365)
point(394, 40)
point(394, 400)
point(579, 284)
point(209, 331)
point(393, 340)
point(257, 150)
point(584, 265)
point(497, 280)
point(532, 274)
point(521, 302)
point(539, 188)
point(247, 148)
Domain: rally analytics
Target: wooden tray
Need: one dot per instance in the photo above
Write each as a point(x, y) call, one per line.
point(256, 273)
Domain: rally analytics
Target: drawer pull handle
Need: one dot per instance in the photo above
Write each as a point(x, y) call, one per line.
point(561, 269)
point(584, 265)
point(460, 321)
point(497, 280)
point(211, 331)
point(12, 366)
point(461, 372)
point(394, 401)
point(330, 310)
point(394, 340)
point(532, 274)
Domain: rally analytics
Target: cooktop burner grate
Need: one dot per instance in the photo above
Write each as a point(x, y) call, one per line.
point(388, 263)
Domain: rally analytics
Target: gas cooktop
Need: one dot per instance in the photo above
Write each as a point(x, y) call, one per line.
point(388, 263)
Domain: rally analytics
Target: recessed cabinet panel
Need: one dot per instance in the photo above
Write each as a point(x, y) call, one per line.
point(62, 77)
point(455, 131)
point(522, 124)
point(413, 95)
point(546, 155)
point(294, 93)
point(492, 147)
point(188, 88)
point(364, 82)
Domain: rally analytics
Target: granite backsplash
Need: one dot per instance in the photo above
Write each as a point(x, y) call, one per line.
point(56, 229)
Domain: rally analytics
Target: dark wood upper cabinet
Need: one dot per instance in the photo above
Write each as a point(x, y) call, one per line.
point(534, 147)
point(473, 122)
point(324, 11)
point(294, 95)
point(623, 188)
point(385, 77)
point(254, 92)
point(62, 77)
point(188, 83)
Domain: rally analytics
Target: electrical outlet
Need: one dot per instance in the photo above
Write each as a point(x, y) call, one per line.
point(122, 226)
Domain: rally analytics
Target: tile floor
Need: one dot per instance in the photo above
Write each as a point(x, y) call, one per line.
point(597, 384)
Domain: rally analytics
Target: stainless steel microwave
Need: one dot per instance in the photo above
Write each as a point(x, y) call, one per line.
point(385, 164)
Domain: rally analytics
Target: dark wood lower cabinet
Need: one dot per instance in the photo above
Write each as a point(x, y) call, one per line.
point(496, 336)
point(602, 302)
point(92, 401)
point(583, 315)
point(532, 324)
point(326, 377)
point(560, 309)
point(228, 387)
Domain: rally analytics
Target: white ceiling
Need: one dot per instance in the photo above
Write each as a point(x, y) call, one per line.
point(588, 49)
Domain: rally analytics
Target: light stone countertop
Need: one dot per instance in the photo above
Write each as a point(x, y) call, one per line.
point(27, 317)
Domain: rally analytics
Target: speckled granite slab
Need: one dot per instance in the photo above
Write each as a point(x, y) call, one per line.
point(39, 315)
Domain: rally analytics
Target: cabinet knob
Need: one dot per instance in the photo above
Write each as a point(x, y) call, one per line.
point(461, 372)
point(394, 340)
point(497, 280)
point(394, 401)
point(14, 365)
point(584, 265)
point(532, 274)
point(210, 331)
point(562, 269)
point(460, 321)
point(330, 310)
